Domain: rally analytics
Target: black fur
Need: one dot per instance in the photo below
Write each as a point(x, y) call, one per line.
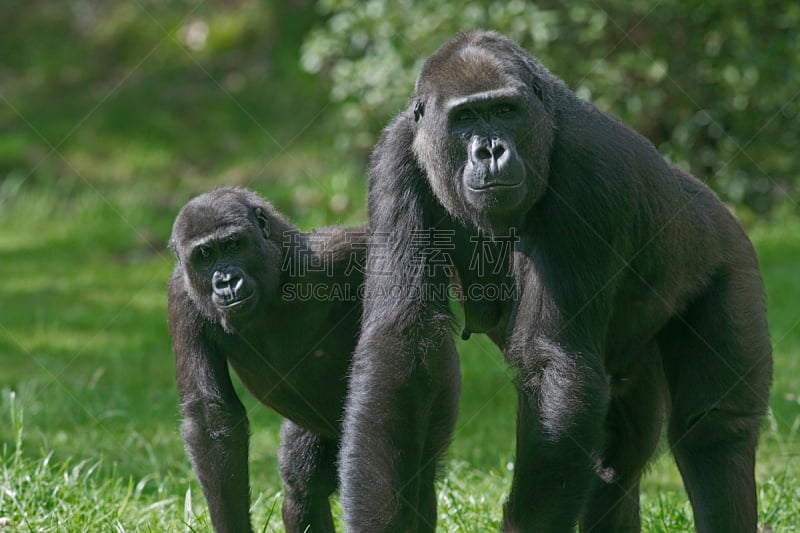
point(637, 299)
point(243, 304)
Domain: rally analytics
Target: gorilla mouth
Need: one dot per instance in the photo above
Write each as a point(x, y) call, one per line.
point(495, 196)
point(493, 185)
point(233, 303)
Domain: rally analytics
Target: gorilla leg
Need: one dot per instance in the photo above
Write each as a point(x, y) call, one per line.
point(718, 368)
point(308, 469)
point(633, 426)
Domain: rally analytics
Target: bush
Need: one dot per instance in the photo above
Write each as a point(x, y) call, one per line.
point(712, 85)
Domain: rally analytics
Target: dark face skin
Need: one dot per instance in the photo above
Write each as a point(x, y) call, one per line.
point(486, 125)
point(216, 261)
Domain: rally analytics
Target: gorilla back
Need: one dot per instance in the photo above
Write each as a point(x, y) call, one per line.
point(638, 298)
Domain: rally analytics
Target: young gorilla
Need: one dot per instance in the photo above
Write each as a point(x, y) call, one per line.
point(637, 292)
point(252, 291)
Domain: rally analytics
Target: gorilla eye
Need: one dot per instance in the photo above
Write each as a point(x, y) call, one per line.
point(232, 243)
point(202, 254)
point(504, 109)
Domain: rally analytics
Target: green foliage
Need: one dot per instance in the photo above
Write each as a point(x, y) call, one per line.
point(713, 85)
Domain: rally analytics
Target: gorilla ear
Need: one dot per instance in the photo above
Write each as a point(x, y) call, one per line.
point(172, 246)
point(419, 110)
point(537, 90)
point(263, 222)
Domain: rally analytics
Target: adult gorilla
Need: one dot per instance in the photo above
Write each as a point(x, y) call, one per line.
point(282, 308)
point(636, 291)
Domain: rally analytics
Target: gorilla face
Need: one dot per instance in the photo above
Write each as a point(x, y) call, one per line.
point(216, 263)
point(483, 133)
point(494, 174)
point(229, 262)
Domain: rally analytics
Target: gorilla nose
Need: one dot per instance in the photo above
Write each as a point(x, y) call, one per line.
point(489, 151)
point(226, 284)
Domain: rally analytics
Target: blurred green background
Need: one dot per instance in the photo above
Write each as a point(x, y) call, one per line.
point(113, 114)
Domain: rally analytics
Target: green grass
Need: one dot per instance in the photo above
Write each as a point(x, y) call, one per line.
point(89, 429)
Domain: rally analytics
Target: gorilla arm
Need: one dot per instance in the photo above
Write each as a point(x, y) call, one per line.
point(404, 362)
point(215, 425)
